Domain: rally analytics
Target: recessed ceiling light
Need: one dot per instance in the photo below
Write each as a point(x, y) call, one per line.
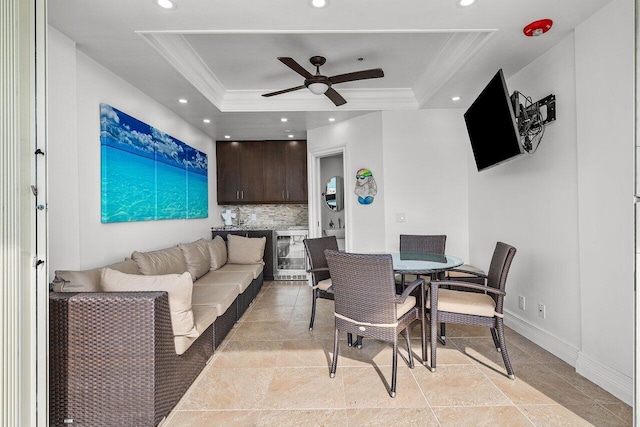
point(284, 119)
point(331, 119)
point(319, 3)
point(465, 3)
point(227, 137)
point(182, 101)
point(165, 4)
point(206, 120)
point(455, 98)
point(290, 136)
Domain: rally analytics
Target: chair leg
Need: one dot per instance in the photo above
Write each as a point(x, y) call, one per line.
point(408, 339)
point(503, 347)
point(314, 296)
point(395, 369)
point(496, 342)
point(336, 348)
point(443, 334)
point(358, 343)
point(349, 339)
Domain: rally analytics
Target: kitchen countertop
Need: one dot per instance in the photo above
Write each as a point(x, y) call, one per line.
point(271, 227)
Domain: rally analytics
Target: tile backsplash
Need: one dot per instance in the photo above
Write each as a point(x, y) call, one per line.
point(269, 216)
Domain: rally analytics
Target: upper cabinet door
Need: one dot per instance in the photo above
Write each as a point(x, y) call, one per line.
point(251, 167)
point(296, 161)
point(228, 171)
point(274, 172)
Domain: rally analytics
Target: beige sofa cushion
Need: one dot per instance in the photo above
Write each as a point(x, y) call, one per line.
point(203, 317)
point(217, 252)
point(254, 269)
point(197, 257)
point(221, 297)
point(88, 280)
point(240, 279)
point(178, 286)
point(164, 261)
point(245, 250)
point(465, 303)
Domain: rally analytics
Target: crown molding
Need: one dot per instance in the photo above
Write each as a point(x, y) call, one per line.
point(177, 51)
point(303, 100)
point(453, 54)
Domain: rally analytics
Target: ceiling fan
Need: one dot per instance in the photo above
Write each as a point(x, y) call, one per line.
point(319, 84)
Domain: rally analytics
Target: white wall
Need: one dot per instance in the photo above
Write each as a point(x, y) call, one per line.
point(78, 239)
point(531, 203)
point(425, 166)
point(605, 111)
point(568, 207)
point(362, 137)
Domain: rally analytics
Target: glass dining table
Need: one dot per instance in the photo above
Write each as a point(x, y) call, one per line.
point(423, 264)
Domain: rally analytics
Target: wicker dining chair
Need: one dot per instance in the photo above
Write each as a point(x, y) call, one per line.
point(320, 277)
point(471, 307)
point(423, 243)
point(366, 303)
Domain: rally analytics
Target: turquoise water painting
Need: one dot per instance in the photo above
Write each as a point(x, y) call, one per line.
point(147, 174)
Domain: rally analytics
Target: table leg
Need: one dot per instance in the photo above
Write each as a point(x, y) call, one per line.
point(423, 303)
point(433, 326)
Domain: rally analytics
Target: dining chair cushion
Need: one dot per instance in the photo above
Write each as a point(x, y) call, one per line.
point(403, 308)
point(323, 284)
point(465, 303)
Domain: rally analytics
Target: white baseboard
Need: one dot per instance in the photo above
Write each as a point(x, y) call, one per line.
point(544, 339)
point(616, 383)
point(612, 380)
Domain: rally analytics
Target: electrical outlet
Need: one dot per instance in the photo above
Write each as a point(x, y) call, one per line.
point(542, 311)
point(521, 302)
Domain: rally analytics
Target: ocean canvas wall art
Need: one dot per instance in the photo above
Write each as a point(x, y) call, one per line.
point(148, 175)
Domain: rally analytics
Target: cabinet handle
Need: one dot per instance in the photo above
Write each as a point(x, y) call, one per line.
point(287, 194)
point(242, 194)
point(282, 194)
point(237, 195)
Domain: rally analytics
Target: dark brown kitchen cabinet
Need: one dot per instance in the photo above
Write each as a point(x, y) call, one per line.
point(251, 172)
point(239, 172)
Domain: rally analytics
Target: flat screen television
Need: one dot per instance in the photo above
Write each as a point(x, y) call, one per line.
point(492, 126)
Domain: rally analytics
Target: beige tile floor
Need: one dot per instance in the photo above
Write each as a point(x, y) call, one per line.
point(272, 371)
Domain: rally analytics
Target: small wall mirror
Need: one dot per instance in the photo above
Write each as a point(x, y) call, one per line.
point(334, 194)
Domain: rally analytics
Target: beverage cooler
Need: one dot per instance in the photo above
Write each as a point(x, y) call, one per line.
point(289, 256)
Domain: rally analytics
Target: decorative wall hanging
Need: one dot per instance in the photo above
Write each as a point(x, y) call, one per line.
point(366, 187)
point(147, 174)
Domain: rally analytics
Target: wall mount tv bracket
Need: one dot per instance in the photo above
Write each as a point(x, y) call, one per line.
point(532, 117)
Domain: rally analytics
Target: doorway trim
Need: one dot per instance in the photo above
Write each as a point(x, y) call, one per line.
point(315, 205)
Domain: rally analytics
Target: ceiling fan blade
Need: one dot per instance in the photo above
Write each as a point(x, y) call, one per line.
point(335, 97)
point(373, 73)
point(280, 92)
point(291, 63)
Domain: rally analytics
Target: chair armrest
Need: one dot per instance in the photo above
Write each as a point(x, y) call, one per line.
point(408, 290)
point(468, 286)
point(315, 270)
point(473, 273)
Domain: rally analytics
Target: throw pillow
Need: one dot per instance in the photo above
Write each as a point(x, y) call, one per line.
point(218, 252)
point(88, 280)
point(164, 261)
point(245, 250)
point(178, 286)
point(196, 255)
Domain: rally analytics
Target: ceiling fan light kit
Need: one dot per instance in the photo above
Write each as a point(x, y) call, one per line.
point(320, 84)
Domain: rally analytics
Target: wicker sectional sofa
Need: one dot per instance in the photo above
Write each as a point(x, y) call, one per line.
point(127, 340)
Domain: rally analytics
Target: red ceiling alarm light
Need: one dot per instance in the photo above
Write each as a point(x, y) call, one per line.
point(537, 28)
